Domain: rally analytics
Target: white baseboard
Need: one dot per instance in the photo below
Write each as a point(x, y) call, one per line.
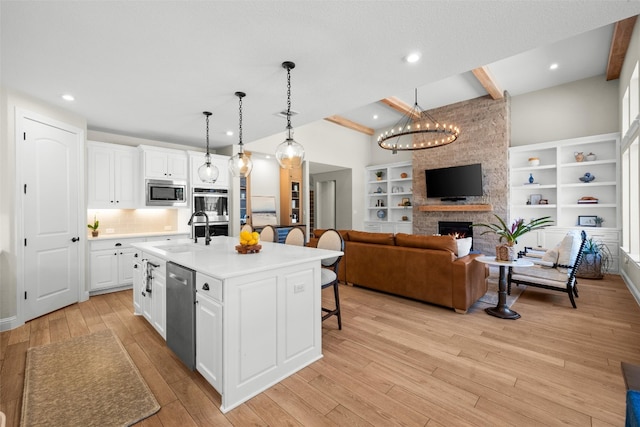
point(631, 286)
point(9, 323)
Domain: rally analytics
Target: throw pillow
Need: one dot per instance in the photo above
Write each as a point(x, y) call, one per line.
point(551, 256)
point(464, 246)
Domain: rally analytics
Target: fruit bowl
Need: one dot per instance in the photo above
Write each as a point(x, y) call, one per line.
point(248, 249)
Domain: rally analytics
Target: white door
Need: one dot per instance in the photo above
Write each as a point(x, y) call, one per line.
point(50, 216)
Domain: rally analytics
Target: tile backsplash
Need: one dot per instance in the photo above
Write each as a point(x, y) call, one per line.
point(128, 221)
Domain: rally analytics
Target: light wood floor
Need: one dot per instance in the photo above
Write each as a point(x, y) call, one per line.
point(396, 362)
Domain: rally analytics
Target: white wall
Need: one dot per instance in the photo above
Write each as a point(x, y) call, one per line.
point(581, 108)
point(265, 179)
point(344, 194)
point(9, 101)
point(330, 144)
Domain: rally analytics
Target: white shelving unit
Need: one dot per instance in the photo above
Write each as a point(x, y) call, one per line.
point(557, 180)
point(385, 211)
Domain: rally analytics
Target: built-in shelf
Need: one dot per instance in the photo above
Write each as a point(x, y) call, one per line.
point(455, 208)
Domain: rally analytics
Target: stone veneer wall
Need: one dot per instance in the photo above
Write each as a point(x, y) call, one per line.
point(484, 138)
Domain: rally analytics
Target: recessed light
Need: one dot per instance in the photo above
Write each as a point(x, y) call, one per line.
point(375, 117)
point(412, 57)
point(68, 97)
point(553, 66)
point(229, 133)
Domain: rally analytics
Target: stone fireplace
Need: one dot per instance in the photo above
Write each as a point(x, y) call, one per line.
point(459, 229)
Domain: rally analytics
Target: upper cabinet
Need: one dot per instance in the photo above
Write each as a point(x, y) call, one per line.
point(112, 176)
point(196, 159)
point(162, 163)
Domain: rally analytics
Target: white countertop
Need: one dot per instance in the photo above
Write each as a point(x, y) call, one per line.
point(221, 260)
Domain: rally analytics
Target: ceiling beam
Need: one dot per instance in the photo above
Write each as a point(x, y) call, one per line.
point(401, 107)
point(350, 124)
point(619, 45)
point(486, 79)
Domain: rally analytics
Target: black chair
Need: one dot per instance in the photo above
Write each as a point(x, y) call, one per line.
point(557, 276)
point(331, 240)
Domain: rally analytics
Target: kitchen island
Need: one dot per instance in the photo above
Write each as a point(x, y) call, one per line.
point(258, 316)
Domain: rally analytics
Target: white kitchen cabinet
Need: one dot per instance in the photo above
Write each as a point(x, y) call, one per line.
point(138, 281)
point(197, 159)
point(111, 263)
point(209, 329)
point(112, 176)
point(163, 163)
point(385, 198)
point(151, 292)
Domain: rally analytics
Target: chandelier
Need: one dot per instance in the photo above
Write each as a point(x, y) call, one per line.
point(419, 130)
point(240, 164)
point(289, 153)
point(208, 172)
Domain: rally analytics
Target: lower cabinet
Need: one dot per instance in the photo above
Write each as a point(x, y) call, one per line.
point(209, 339)
point(150, 291)
point(111, 263)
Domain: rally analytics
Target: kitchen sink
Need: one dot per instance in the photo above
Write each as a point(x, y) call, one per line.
point(189, 247)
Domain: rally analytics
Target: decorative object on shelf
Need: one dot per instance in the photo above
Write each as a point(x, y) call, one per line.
point(534, 161)
point(94, 227)
point(249, 242)
point(599, 221)
point(208, 172)
point(379, 175)
point(587, 220)
point(289, 153)
point(380, 203)
point(543, 202)
point(403, 175)
point(405, 218)
point(422, 130)
point(534, 199)
point(590, 157)
point(507, 251)
point(596, 260)
point(587, 177)
point(381, 213)
point(240, 164)
point(379, 190)
point(587, 200)
point(531, 178)
point(406, 202)
point(579, 156)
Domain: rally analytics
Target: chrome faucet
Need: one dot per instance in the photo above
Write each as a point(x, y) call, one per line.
point(207, 237)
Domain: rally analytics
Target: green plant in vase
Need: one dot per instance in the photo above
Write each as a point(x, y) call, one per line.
point(94, 227)
point(596, 260)
point(511, 233)
point(379, 175)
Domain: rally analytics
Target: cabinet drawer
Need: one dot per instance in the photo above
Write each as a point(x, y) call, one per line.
point(215, 286)
point(98, 245)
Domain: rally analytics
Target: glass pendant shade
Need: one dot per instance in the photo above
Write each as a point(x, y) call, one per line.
point(208, 172)
point(290, 154)
point(240, 165)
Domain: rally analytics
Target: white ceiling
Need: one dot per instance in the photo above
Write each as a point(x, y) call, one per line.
point(149, 68)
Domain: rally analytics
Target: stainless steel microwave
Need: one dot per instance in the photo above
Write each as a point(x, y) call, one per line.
point(160, 192)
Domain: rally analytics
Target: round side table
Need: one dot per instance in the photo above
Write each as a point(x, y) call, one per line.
point(502, 310)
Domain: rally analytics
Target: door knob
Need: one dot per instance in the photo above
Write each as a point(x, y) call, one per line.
point(75, 239)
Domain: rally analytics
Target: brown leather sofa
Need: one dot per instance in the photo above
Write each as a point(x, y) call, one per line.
point(425, 268)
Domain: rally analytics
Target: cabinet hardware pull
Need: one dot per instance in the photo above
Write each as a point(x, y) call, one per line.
point(75, 239)
point(118, 244)
point(205, 287)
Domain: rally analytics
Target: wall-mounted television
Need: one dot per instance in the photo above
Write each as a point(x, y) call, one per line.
point(454, 183)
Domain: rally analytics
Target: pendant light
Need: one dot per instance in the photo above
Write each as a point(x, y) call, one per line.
point(208, 173)
point(240, 164)
point(289, 153)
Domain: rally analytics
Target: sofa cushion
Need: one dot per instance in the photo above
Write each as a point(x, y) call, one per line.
point(376, 238)
point(442, 243)
point(464, 246)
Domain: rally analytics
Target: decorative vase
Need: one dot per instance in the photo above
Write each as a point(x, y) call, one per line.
point(505, 253)
point(94, 233)
point(379, 178)
point(591, 157)
point(531, 178)
point(579, 156)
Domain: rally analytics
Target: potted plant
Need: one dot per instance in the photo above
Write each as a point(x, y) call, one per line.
point(379, 175)
point(510, 234)
point(599, 220)
point(94, 227)
point(596, 260)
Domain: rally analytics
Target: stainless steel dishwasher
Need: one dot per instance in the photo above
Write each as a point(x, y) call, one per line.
point(181, 313)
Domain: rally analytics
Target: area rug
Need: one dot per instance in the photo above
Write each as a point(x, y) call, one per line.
point(86, 381)
point(491, 297)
